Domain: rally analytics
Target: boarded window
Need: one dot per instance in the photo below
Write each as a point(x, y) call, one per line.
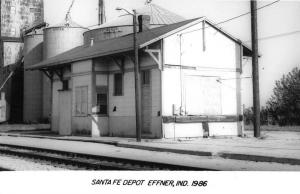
point(118, 84)
point(102, 100)
point(81, 100)
point(146, 77)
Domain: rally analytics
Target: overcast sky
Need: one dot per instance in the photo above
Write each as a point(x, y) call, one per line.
point(279, 29)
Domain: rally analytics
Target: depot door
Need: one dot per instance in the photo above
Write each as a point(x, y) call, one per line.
point(64, 119)
point(146, 102)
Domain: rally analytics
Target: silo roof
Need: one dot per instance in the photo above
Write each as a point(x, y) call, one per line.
point(67, 23)
point(158, 16)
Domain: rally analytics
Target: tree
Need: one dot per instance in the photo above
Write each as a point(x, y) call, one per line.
point(284, 103)
point(248, 115)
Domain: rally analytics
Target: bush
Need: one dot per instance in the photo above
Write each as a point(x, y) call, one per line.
point(284, 103)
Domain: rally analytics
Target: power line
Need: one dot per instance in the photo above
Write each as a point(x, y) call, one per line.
point(222, 22)
point(278, 35)
point(233, 18)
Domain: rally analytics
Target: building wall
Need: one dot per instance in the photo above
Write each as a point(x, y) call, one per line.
point(120, 122)
point(201, 81)
point(82, 76)
point(57, 85)
point(56, 41)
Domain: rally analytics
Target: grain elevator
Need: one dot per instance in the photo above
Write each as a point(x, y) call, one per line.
point(16, 15)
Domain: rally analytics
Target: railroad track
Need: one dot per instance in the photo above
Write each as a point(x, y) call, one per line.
point(4, 169)
point(78, 161)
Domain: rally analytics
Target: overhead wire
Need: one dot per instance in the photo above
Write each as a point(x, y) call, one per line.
point(233, 18)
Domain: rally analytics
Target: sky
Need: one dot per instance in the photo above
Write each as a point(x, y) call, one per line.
point(278, 30)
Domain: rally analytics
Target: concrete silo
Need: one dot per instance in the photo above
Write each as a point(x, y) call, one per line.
point(58, 39)
point(33, 87)
point(123, 25)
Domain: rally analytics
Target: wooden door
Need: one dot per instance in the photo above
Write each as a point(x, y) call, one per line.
point(65, 112)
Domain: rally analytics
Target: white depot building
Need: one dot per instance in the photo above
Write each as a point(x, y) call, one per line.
point(190, 72)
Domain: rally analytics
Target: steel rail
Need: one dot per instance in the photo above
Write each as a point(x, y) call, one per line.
point(88, 161)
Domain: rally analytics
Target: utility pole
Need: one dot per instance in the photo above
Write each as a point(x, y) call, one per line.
point(138, 99)
point(137, 77)
point(255, 69)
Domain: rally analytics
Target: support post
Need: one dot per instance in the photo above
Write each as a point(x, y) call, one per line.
point(138, 99)
point(255, 70)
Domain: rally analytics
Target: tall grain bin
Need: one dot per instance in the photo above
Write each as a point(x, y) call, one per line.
point(33, 87)
point(58, 39)
point(123, 25)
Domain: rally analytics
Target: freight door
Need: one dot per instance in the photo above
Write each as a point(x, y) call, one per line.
point(64, 119)
point(202, 95)
point(146, 102)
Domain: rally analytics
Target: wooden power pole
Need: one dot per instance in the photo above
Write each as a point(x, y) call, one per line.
point(255, 69)
point(138, 100)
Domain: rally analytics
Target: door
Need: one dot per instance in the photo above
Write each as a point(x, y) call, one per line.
point(65, 105)
point(146, 102)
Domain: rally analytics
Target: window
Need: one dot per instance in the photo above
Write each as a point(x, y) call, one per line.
point(146, 77)
point(101, 100)
point(102, 104)
point(118, 84)
point(81, 100)
point(65, 85)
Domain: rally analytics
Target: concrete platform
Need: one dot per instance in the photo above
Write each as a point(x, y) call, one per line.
point(22, 128)
point(282, 148)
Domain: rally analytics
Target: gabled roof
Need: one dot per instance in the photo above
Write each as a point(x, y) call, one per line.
point(117, 45)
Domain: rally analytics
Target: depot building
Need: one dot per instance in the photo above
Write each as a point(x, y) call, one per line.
point(190, 82)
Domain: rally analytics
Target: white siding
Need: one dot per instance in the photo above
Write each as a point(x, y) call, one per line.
point(215, 70)
point(125, 105)
point(208, 83)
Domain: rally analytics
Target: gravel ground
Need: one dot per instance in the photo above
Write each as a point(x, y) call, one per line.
point(18, 164)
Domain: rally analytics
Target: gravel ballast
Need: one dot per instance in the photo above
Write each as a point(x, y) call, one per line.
point(17, 164)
